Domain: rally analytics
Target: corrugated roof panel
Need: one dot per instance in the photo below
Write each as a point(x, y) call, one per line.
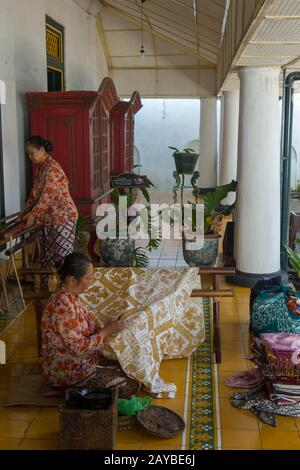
point(285, 7)
point(278, 30)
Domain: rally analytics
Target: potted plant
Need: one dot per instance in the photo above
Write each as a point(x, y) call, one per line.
point(185, 160)
point(207, 252)
point(123, 252)
point(294, 260)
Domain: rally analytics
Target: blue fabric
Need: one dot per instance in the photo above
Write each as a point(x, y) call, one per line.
point(262, 284)
point(270, 313)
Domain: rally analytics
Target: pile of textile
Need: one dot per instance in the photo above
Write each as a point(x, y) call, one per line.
point(275, 380)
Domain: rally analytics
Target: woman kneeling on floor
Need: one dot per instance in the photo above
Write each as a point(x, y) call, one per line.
point(71, 346)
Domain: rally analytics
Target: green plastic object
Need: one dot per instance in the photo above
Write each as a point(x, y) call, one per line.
point(132, 406)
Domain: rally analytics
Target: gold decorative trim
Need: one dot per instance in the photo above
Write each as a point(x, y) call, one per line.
point(54, 50)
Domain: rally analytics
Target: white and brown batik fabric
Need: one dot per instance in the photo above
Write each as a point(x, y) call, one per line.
point(161, 320)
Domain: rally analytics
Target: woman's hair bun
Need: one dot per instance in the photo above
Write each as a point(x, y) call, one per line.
point(38, 142)
point(48, 146)
point(75, 264)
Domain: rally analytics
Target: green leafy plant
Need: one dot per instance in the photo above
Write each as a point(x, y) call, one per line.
point(186, 150)
point(80, 231)
point(294, 259)
point(213, 214)
point(212, 200)
point(139, 257)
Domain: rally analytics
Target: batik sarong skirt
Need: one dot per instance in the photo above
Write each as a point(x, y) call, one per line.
point(57, 242)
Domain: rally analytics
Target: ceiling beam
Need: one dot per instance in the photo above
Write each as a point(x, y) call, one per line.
point(102, 40)
point(282, 17)
point(163, 67)
point(157, 34)
point(274, 42)
point(292, 62)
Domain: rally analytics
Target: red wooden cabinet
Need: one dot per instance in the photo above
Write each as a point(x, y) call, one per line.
point(78, 125)
point(122, 134)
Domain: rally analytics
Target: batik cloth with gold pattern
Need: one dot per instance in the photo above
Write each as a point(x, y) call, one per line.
point(161, 320)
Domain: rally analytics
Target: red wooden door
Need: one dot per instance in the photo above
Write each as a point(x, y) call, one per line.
point(63, 127)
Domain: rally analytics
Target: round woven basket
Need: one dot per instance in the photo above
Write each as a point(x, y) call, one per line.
point(161, 422)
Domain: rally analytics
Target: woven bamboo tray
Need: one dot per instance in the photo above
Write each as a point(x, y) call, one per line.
point(161, 422)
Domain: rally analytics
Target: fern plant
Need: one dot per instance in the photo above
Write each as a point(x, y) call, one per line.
point(139, 256)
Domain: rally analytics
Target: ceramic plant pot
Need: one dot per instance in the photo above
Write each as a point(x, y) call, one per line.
point(117, 252)
point(197, 256)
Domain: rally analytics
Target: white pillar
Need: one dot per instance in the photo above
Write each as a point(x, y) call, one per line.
point(207, 163)
point(229, 141)
point(257, 230)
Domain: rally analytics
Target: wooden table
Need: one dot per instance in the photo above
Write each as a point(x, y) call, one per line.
point(216, 293)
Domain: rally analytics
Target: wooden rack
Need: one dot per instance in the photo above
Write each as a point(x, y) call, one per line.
point(14, 237)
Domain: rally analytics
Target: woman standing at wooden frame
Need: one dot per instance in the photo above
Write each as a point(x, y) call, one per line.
point(50, 203)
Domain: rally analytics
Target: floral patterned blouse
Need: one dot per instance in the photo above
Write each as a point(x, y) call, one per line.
point(50, 201)
point(71, 346)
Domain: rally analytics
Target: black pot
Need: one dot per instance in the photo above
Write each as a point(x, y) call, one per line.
point(185, 162)
point(88, 398)
point(294, 279)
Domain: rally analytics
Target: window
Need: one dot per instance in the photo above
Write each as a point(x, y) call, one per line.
point(55, 55)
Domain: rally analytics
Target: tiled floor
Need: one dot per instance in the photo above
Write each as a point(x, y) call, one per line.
point(15, 307)
point(34, 428)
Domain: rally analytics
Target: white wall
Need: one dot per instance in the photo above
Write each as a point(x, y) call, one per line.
point(23, 68)
point(166, 83)
point(161, 123)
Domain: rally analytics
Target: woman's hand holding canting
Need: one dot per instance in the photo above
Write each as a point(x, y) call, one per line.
point(113, 327)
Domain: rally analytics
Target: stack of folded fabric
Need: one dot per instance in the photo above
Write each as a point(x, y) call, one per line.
point(277, 358)
point(281, 351)
point(285, 392)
